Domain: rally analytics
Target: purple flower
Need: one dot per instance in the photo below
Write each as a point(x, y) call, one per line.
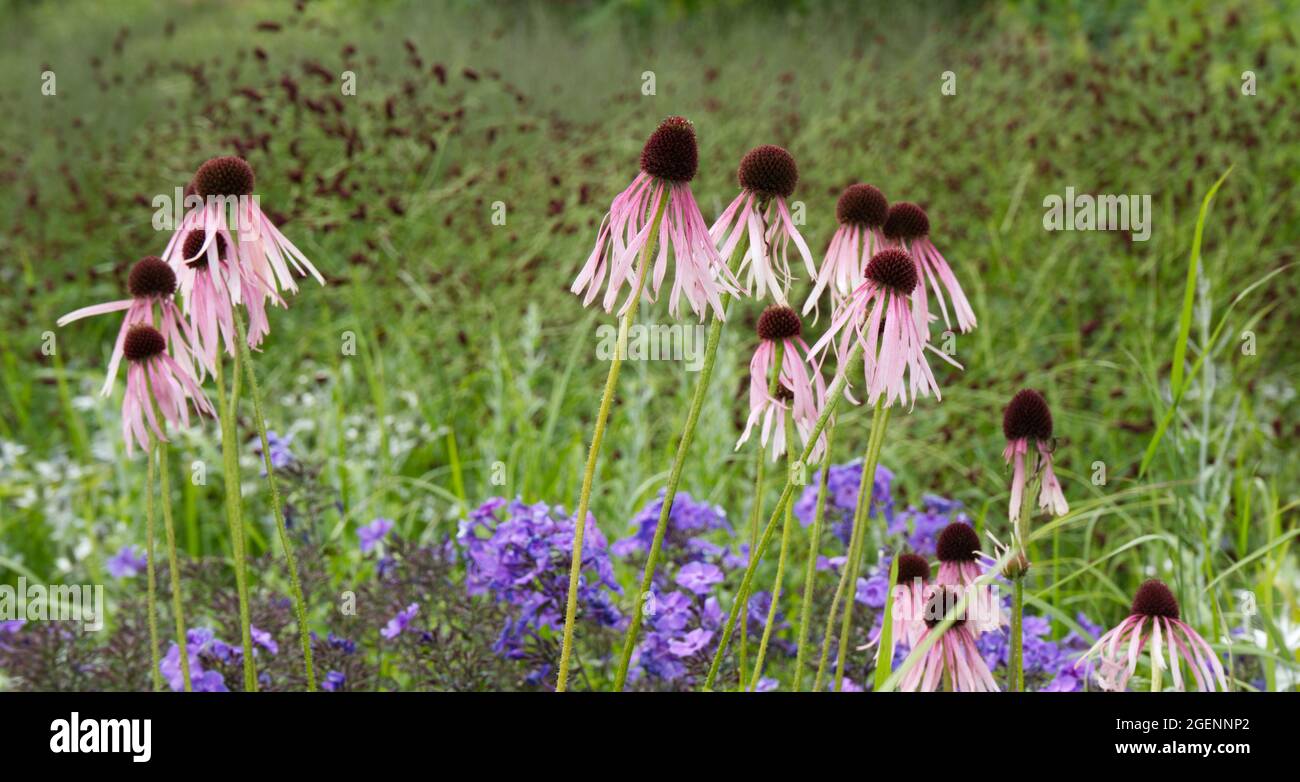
point(281, 456)
point(374, 532)
point(342, 644)
point(398, 623)
point(199, 644)
point(699, 577)
point(334, 681)
point(263, 639)
point(690, 643)
point(766, 685)
point(520, 555)
point(871, 591)
point(921, 526)
point(842, 486)
point(128, 562)
point(686, 521)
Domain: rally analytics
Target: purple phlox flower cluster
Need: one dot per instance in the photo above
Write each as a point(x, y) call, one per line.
point(683, 618)
point(520, 554)
point(688, 522)
point(678, 629)
point(842, 498)
point(373, 533)
point(281, 455)
point(128, 562)
point(921, 526)
point(202, 646)
point(1048, 665)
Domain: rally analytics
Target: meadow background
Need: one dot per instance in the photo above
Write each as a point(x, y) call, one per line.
point(474, 361)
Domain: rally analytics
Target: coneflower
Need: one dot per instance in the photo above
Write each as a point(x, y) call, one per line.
point(1154, 618)
point(785, 394)
point(153, 374)
point(861, 212)
point(908, 226)
point(659, 197)
point(263, 264)
point(150, 282)
point(907, 602)
point(1028, 418)
point(767, 175)
point(953, 661)
point(661, 192)
point(958, 550)
point(799, 387)
point(207, 300)
point(159, 390)
point(878, 315)
point(226, 183)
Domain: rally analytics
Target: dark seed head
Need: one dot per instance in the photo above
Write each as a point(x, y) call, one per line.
point(1153, 598)
point(151, 276)
point(769, 171)
point(906, 220)
point(143, 342)
point(224, 176)
point(194, 242)
point(912, 567)
point(670, 152)
point(778, 322)
point(941, 602)
point(957, 543)
point(784, 394)
point(1027, 415)
point(862, 205)
point(894, 269)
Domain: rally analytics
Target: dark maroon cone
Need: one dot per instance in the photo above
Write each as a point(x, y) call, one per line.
point(906, 220)
point(1027, 415)
point(151, 276)
point(1153, 598)
point(143, 342)
point(778, 322)
point(912, 567)
point(894, 269)
point(224, 176)
point(670, 152)
point(769, 171)
point(957, 543)
point(862, 205)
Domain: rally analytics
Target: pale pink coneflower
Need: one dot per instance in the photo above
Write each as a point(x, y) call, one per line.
point(800, 389)
point(149, 367)
point(1027, 417)
point(1154, 618)
point(151, 281)
point(908, 226)
point(669, 161)
point(767, 175)
point(861, 211)
point(205, 296)
point(908, 596)
point(958, 550)
point(226, 184)
point(954, 655)
point(878, 315)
